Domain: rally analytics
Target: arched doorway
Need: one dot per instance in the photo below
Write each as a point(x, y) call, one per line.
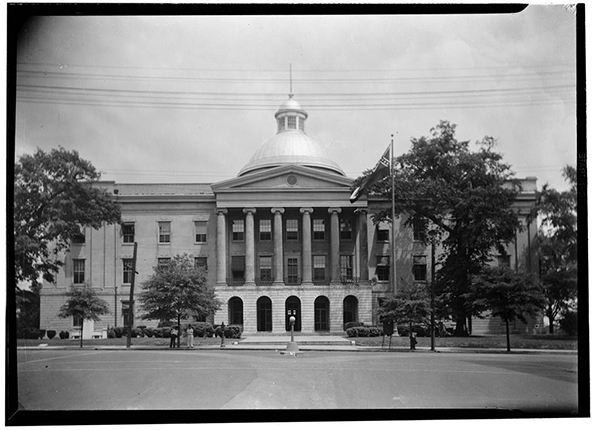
point(264, 314)
point(350, 309)
point(236, 311)
point(292, 307)
point(322, 314)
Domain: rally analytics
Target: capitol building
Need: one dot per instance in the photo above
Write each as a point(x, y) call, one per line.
point(280, 238)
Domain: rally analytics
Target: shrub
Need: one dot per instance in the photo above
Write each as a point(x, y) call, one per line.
point(30, 333)
point(234, 331)
point(163, 324)
point(118, 332)
point(352, 324)
point(51, 334)
point(568, 323)
point(361, 331)
point(63, 334)
point(42, 333)
point(111, 333)
point(403, 330)
point(203, 329)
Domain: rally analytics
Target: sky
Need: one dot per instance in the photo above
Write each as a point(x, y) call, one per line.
point(191, 98)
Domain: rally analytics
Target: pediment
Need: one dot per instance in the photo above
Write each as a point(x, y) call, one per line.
point(290, 177)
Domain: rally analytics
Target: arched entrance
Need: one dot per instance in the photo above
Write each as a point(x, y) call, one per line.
point(236, 311)
point(322, 314)
point(350, 309)
point(264, 314)
point(292, 307)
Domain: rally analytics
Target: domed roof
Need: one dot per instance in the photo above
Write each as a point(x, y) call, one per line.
point(291, 145)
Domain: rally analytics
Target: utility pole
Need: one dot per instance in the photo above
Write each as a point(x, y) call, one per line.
point(130, 325)
point(433, 295)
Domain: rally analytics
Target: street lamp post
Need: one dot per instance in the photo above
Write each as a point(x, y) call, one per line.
point(292, 347)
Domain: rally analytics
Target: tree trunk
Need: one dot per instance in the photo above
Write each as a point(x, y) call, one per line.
point(178, 330)
point(461, 326)
point(81, 335)
point(507, 336)
point(551, 324)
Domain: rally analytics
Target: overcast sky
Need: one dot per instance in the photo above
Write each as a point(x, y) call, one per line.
point(190, 99)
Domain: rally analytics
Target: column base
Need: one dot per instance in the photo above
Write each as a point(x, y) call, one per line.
point(278, 283)
point(307, 284)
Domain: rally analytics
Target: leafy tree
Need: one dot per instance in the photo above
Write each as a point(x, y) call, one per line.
point(83, 303)
point(410, 306)
point(463, 198)
point(557, 246)
point(54, 198)
point(177, 290)
point(506, 294)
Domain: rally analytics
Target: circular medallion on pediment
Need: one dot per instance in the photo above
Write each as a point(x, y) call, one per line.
point(292, 180)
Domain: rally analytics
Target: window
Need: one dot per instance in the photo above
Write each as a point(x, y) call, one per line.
point(264, 229)
point(291, 122)
point(77, 321)
point(127, 270)
point(319, 266)
point(200, 231)
point(420, 267)
point(383, 268)
point(383, 232)
point(346, 230)
point(292, 271)
point(420, 229)
point(281, 123)
point(318, 229)
point(291, 229)
point(346, 267)
point(78, 271)
point(164, 232)
point(201, 262)
point(504, 260)
point(238, 229)
point(125, 313)
point(163, 263)
point(128, 232)
point(265, 268)
point(78, 239)
point(300, 123)
point(238, 267)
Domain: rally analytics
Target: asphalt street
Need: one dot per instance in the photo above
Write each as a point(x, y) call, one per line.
point(221, 379)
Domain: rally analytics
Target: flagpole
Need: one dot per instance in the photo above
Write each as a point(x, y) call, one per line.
point(393, 241)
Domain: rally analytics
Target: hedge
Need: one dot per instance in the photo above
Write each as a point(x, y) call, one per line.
point(233, 331)
point(364, 332)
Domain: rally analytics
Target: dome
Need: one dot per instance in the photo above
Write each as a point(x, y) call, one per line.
point(291, 145)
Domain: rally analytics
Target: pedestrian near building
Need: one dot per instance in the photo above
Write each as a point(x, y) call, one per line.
point(190, 336)
point(174, 333)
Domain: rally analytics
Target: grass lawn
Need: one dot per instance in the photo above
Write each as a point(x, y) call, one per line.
point(517, 341)
point(137, 341)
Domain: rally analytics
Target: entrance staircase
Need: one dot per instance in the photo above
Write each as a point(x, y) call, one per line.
point(281, 340)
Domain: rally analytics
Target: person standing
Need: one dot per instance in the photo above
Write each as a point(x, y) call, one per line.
point(174, 333)
point(190, 336)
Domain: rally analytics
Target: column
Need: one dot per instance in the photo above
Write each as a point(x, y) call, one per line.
point(221, 247)
point(278, 245)
point(335, 244)
point(362, 249)
point(250, 260)
point(306, 246)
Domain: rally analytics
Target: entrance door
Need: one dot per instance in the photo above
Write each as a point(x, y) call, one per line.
point(322, 314)
point(263, 311)
point(292, 307)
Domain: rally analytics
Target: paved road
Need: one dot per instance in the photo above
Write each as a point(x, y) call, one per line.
point(183, 379)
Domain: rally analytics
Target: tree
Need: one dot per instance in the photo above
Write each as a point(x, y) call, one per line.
point(84, 304)
point(410, 306)
point(463, 198)
point(557, 246)
point(177, 290)
point(506, 294)
point(54, 198)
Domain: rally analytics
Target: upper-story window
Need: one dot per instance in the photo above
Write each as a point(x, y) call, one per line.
point(383, 268)
point(281, 123)
point(383, 232)
point(300, 123)
point(238, 229)
point(127, 270)
point(420, 267)
point(163, 263)
point(78, 239)
point(201, 263)
point(78, 271)
point(291, 229)
point(201, 227)
point(420, 229)
point(264, 226)
point(164, 232)
point(319, 267)
point(318, 229)
point(128, 232)
point(345, 229)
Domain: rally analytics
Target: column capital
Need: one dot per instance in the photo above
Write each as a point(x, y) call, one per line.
point(361, 211)
point(220, 211)
point(249, 210)
point(276, 210)
point(334, 210)
point(305, 210)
